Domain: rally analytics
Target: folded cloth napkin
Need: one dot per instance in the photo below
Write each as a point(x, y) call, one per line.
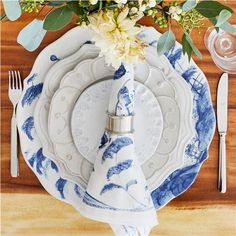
point(117, 192)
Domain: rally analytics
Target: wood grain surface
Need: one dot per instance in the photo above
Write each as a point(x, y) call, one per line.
point(28, 210)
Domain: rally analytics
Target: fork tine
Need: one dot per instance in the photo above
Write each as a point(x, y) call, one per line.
point(9, 77)
point(12, 80)
point(20, 81)
point(16, 80)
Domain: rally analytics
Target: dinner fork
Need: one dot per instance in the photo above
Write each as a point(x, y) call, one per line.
point(14, 93)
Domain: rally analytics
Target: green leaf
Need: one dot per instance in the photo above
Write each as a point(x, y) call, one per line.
point(191, 44)
point(75, 7)
point(186, 47)
point(12, 9)
point(226, 26)
point(189, 5)
point(100, 4)
point(55, 3)
point(211, 9)
point(223, 17)
point(165, 42)
point(213, 20)
point(112, 6)
point(58, 19)
point(84, 3)
point(32, 35)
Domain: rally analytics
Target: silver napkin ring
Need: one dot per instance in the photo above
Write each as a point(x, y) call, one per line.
point(119, 124)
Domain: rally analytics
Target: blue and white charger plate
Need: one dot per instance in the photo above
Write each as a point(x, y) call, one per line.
point(47, 171)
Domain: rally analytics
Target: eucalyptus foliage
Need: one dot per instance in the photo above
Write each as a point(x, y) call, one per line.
point(188, 15)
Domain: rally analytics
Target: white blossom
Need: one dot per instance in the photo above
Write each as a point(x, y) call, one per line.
point(116, 36)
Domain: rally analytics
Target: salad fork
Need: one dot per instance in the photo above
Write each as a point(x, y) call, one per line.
point(14, 93)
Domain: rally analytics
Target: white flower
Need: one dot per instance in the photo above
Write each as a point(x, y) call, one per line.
point(172, 9)
point(93, 2)
point(142, 8)
point(134, 10)
point(121, 1)
point(151, 3)
point(175, 12)
point(178, 10)
point(116, 36)
point(175, 16)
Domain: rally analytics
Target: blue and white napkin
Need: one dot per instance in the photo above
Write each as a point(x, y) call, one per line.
point(117, 192)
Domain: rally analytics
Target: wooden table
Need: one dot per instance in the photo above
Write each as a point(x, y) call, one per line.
point(28, 210)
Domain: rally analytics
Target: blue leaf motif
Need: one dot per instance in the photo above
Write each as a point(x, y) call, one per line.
point(125, 100)
point(115, 147)
point(77, 190)
point(120, 72)
point(174, 185)
point(54, 166)
point(109, 187)
point(174, 56)
point(189, 73)
point(130, 183)
point(54, 58)
point(28, 126)
point(32, 78)
point(31, 93)
point(104, 140)
point(116, 170)
point(60, 184)
point(38, 158)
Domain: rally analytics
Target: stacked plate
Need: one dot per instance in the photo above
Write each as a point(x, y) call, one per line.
point(62, 115)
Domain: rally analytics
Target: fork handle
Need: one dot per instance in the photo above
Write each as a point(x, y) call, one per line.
point(222, 164)
point(14, 158)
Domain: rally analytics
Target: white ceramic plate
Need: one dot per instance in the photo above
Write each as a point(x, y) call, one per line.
point(88, 120)
point(47, 170)
point(176, 107)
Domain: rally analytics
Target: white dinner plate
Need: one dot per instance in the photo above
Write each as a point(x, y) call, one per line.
point(176, 107)
point(48, 171)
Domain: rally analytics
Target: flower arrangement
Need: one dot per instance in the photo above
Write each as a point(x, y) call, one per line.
point(115, 23)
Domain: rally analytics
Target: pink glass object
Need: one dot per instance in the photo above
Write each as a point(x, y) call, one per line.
point(222, 47)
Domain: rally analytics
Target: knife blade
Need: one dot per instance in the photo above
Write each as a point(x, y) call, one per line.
point(222, 117)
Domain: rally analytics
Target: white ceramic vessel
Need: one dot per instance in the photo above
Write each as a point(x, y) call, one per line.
point(164, 158)
point(48, 171)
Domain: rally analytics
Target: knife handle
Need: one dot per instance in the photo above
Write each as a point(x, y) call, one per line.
point(222, 164)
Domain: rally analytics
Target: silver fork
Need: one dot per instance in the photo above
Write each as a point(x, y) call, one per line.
point(14, 93)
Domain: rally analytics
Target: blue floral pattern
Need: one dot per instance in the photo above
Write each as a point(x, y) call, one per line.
point(196, 150)
point(60, 184)
point(125, 100)
point(204, 117)
point(117, 169)
point(115, 146)
point(32, 78)
point(31, 94)
point(37, 159)
point(104, 140)
point(54, 58)
point(120, 72)
point(28, 126)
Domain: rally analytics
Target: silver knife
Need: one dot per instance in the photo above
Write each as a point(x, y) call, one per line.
point(222, 115)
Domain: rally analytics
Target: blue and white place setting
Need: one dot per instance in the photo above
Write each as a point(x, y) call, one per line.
point(119, 123)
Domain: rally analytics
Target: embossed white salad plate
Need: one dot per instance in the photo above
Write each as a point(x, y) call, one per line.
point(48, 171)
point(162, 159)
point(88, 120)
